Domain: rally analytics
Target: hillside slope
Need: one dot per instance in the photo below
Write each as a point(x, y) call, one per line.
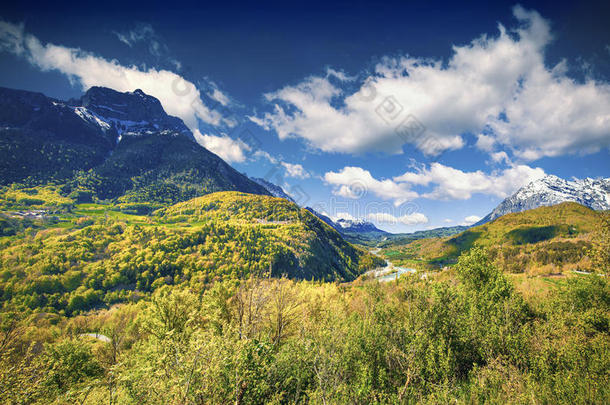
point(545, 240)
point(97, 255)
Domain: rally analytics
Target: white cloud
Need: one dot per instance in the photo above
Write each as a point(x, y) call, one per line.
point(261, 154)
point(447, 220)
point(407, 219)
point(469, 220)
point(497, 85)
point(178, 96)
point(485, 142)
point(342, 215)
point(342, 76)
point(219, 96)
point(11, 38)
point(447, 183)
point(500, 157)
point(291, 169)
point(228, 149)
point(454, 184)
point(295, 170)
point(355, 182)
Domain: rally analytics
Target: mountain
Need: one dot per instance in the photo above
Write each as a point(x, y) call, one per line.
point(96, 255)
point(325, 219)
point(402, 238)
point(42, 138)
point(552, 190)
point(357, 231)
point(108, 144)
point(128, 114)
point(357, 226)
point(360, 231)
point(316, 250)
point(541, 241)
point(273, 189)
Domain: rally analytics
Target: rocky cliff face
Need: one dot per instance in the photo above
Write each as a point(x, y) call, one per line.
point(126, 140)
point(130, 114)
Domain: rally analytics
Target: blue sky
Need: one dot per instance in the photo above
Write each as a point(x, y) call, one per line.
point(412, 115)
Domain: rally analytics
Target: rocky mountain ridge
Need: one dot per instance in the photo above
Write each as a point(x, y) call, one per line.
point(110, 144)
point(553, 190)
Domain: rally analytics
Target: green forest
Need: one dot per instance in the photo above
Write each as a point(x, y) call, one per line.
point(464, 337)
point(86, 256)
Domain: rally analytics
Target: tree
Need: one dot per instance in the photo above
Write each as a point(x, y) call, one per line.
point(68, 367)
point(284, 304)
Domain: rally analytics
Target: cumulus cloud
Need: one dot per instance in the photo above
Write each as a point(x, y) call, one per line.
point(445, 182)
point(485, 142)
point(497, 87)
point(415, 218)
point(453, 184)
point(355, 182)
point(295, 170)
point(228, 149)
point(178, 96)
point(342, 215)
point(500, 157)
point(471, 219)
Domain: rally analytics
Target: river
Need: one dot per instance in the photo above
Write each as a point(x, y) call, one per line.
point(389, 272)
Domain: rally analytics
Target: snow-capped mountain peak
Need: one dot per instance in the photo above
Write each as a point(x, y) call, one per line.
point(552, 190)
point(129, 114)
point(357, 225)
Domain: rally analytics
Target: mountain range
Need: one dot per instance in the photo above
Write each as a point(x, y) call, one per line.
point(547, 191)
point(107, 145)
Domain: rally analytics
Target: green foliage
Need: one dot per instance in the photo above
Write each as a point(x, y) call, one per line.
point(533, 234)
point(600, 251)
point(144, 303)
point(100, 258)
point(469, 339)
point(38, 161)
point(66, 365)
point(542, 241)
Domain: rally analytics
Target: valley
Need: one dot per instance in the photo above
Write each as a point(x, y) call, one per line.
point(138, 267)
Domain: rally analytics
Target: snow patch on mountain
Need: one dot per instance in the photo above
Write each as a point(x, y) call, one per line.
point(90, 117)
point(357, 226)
point(129, 114)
